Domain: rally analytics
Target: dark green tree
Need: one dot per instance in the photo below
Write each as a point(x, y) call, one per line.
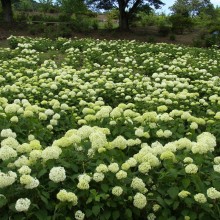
point(127, 8)
point(72, 6)
point(191, 8)
point(7, 10)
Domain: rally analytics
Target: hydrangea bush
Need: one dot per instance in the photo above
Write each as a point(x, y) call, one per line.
point(117, 130)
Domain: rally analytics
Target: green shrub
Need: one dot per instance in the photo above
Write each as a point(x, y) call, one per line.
point(164, 30)
point(151, 39)
point(35, 29)
point(198, 42)
point(95, 24)
point(181, 23)
point(81, 23)
point(172, 37)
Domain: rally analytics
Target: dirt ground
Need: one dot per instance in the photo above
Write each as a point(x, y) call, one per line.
point(148, 34)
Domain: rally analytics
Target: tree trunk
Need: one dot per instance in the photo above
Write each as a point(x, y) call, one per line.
point(123, 21)
point(7, 11)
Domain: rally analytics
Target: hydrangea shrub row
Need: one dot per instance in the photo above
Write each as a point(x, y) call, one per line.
point(112, 126)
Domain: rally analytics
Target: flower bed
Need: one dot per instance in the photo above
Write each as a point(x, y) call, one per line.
point(114, 125)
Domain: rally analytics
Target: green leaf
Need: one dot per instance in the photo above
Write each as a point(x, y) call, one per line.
point(176, 205)
point(96, 210)
point(107, 214)
point(116, 215)
point(89, 200)
point(173, 192)
point(3, 200)
point(88, 212)
point(44, 199)
point(104, 187)
point(128, 213)
point(168, 201)
point(41, 214)
point(189, 202)
point(215, 183)
point(12, 207)
point(5, 217)
point(185, 183)
point(198, 183)
point(74, 168)
point(161, 201)
point(93, 192)
point(97, 198)
point(173, 172)
point(42, 172)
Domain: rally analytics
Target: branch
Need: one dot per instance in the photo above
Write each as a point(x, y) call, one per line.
point(134, 7)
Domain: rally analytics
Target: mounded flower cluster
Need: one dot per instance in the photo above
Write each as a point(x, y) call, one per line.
point(116, 122)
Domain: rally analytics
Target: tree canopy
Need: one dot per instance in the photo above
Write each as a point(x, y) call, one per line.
point(127, 8)
point(191, 7)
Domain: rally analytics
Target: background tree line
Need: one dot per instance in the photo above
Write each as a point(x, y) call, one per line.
point(124, 14)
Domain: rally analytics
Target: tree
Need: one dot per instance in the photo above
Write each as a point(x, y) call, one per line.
point(191, 8)
point(72, 6)
point(127, 8)
point(7, 10)
point(181, 7)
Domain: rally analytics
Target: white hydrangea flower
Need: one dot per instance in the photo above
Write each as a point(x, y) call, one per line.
point(7, 179)
point(191, 169)
point(116, 112)
point(168, 155)
point(216, 168)
point(140, 200)
point(104, 112)
point(188, 160)
point(132, 162)
point(138, 184)
point(49, 112)
point(83, 184)
point(22, 205)
point(119, 142)
point(84, 176)
point(121, 174)
point(79, 215)
point(101, 168)
point(98, 177)
point(14, 119)
point(151, 216)
point(205, 142)
point(117, 190)
point(10, 142)
point(57, 174)
point(51, 153)
point(183, 194)
point(22, 160)
point(8, 133)
point(7, 152)
point(194, 125)
point(35, 154)
point(144, 167)
point(156, 207)
point(65, 196)
point(29, 181)
point(183, 143)
point(98, 139)
point(11, 108)
point(24, 170)
point(167, 133)
point(113, 167)
point(200, 198)
point(212, 193)
point(84, 131)
point(217, 160)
